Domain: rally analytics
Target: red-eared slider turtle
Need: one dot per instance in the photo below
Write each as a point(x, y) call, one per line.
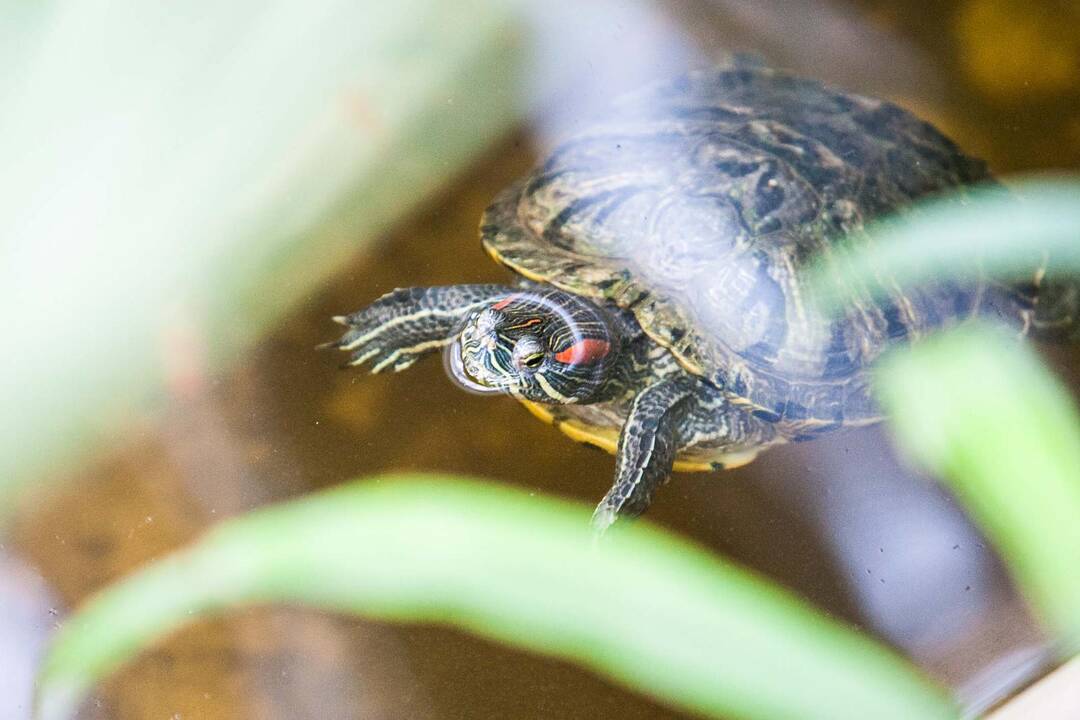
point(661, 313)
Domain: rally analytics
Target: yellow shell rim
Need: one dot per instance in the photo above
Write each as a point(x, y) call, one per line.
point(607, 439)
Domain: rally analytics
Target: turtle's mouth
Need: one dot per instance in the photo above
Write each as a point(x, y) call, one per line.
point(464, 373)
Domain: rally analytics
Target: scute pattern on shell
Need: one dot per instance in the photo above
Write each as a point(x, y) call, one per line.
point(696, 203)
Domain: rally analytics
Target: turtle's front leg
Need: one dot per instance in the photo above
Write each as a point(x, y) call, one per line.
point(405, 324)
point(646, 452)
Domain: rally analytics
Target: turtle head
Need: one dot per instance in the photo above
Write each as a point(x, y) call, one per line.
point(546, 346)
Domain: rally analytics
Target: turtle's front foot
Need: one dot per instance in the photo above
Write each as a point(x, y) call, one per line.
point(405, 324)
point(393, 332)
point(646, 451)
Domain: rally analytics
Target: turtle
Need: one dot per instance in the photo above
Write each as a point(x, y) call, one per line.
point(661, 310)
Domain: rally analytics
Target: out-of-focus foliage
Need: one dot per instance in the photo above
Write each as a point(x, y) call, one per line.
point(641, 607)
point(175, 176)
point(981, 411)
point(1007, 233)
point(975, 407)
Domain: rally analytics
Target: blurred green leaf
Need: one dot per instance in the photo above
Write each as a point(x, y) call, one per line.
point(1004, 231)
point(642, 608)
point(980, 410)
point(176, 176)
point(974, 406)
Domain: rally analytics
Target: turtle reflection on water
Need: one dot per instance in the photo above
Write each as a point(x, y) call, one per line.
point(661, 313)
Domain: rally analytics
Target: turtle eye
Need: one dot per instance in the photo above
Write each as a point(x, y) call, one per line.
point(528, 353)
point(533, 361)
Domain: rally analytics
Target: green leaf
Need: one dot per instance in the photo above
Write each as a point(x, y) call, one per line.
point(975, 406)
point(1008, 231)
point(980, 410)
point(174, 179)
point(642, 608)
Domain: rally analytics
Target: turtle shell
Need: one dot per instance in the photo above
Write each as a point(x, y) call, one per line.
point(696, 203)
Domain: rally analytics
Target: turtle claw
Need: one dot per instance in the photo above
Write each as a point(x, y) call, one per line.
point(405, 363)
point(367, 347)
point(402, 358)
point(385, 361)
point(602, 518)
point(359, 358)
point(381, 360)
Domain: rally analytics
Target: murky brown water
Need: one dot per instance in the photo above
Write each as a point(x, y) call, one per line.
point(838, 521)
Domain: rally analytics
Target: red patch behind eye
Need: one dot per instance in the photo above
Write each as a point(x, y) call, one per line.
point(584, 351)
point(504, 302)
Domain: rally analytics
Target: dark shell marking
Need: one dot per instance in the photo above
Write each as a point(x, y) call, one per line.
point(697, 204)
